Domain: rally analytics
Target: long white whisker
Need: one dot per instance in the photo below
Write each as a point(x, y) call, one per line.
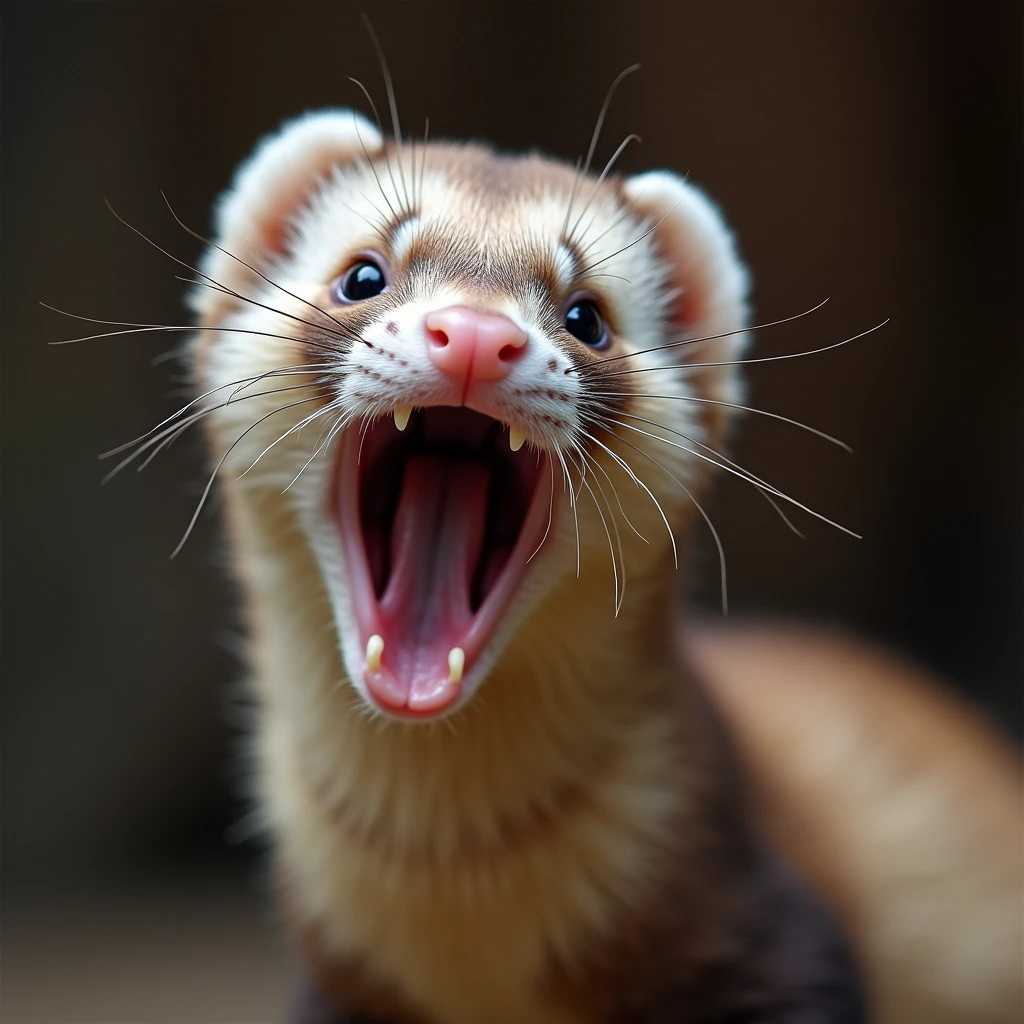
point(741, 475)
point(223, 459)
point(572, 505)
point(760, 485)
point(657, 504)
point(287, 371)
point(332, 335)
point(173, 435)
point(176, 428)
point(164, 328)
point(607, 533)
point(373, 170)
point(707, 337)
point(604, 174)
point(211, 281)
point(588, 248)
point(760, 359)
point(614, 523)
point(597, 465)
point(206, 241)
point(723, 574)
point(594, 139)
point(551, 509)
point(730, 405)
point(586, 272)
point(339, 424)
point(390, 89)
point(305, 421)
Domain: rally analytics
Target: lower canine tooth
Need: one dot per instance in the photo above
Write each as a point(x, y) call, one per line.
point(515, 438)
point(402, 414)
point(456, 663)
point(374, 649)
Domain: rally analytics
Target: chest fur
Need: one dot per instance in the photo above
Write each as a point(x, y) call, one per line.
point(470, 920)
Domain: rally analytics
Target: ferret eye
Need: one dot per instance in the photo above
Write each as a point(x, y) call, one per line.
point(362, 281)
point(585, 323)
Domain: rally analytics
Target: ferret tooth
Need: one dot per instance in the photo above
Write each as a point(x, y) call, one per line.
point(456, 663)
point(402, 414)
point(516, 437)
point(374, 649)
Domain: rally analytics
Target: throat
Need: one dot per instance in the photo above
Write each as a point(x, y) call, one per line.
point(436, 543)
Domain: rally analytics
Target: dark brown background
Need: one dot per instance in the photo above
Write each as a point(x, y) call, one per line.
point(868, 152)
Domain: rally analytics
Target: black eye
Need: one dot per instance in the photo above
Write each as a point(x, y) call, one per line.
point(584, 322)
point(362, 281)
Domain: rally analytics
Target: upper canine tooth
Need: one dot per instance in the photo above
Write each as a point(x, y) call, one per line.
point(456, 663)
point(402, 414)
point(516, 437)
point(374, 649)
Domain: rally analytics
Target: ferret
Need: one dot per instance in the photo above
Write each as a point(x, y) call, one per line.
point(464, 406)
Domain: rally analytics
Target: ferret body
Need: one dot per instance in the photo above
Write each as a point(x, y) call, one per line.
point(500, 787)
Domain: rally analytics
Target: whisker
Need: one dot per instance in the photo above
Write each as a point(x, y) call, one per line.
point(585, 456)
point(244, 382)
point(297, 370)
point(595, 136)
point(166, 357)
point(761, 359)
point(611, 227)
point(551, 509)
point(177, 428)
point(387, 160)
point(723, 574)
point(572, 504)
point(707, 337)
point(138, 328)
point(614, 277)
point(223, 459)
point(608, 535)
point(604, 174)
point(735, 472)
point(332, 431)
point(412, 164)
point(759, 484)
point(347, 331)
point(206, 277)
point(305, 421)
point(572, 194)
point(380, 227)
point(215, 286)
point(657, 504)
point(423, 158)
point(629, 245)
point(730, 405)
point(390, 88)
point(597, 465)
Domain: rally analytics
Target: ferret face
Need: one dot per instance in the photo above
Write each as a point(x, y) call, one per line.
point(449, 367)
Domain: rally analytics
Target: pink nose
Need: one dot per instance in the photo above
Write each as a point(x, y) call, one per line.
point(472, 346)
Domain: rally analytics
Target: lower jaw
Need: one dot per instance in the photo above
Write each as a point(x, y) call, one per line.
point(444, 691)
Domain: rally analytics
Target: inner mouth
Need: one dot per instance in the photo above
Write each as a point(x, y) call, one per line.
point(438, 522)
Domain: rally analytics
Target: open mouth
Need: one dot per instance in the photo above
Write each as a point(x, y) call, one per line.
point(438, 522)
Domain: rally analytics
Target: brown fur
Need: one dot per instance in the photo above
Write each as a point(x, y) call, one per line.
point(873, 781)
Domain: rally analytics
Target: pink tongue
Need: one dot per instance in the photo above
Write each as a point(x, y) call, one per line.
point(436, 540)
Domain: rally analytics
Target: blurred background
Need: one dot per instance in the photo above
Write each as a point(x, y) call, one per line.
point(869, 152)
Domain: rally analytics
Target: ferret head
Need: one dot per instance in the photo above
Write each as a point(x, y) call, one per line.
point(471, 382)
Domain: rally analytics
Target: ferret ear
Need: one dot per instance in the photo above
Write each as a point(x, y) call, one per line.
point(253, 218)
point(705, 277)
